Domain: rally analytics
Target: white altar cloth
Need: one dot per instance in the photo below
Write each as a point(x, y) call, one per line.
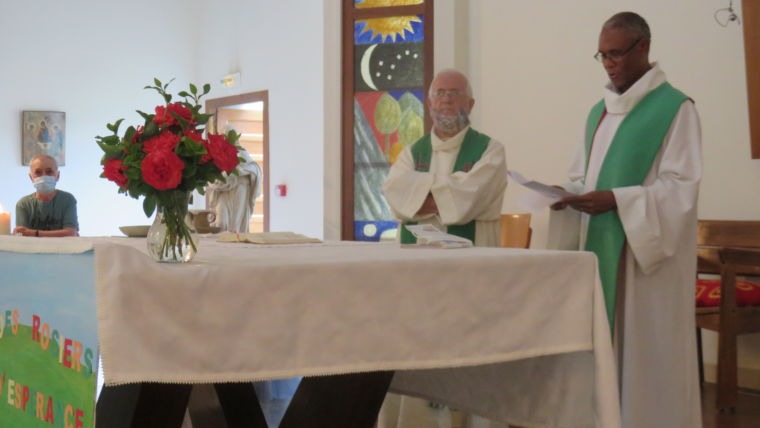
point(514, 335)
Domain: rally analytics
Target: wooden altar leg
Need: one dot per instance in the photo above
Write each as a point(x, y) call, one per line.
point(225, 405)
point(351, 400)
point(116, 405)
point(142, 406)
point(204, 408)
point(161, 405)
point(240, 405)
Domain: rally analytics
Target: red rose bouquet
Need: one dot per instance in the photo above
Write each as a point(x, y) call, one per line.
point(164, 160)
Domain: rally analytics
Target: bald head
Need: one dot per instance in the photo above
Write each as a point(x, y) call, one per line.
point(451, 74)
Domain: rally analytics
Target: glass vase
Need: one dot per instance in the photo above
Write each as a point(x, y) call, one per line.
point(171, 237)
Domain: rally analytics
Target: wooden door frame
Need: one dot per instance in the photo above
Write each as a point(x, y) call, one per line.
point(751, 24)
point(212, 105)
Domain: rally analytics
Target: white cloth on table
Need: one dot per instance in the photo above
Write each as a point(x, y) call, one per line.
point(65, 245)
point(320, 309)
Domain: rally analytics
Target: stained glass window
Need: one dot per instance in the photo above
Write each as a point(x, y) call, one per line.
point(388, 80)
point(366, 4)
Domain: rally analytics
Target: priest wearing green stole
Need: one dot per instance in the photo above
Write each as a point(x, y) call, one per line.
point(453, 178)
point(636, 179)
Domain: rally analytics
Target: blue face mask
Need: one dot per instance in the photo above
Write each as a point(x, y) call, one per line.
point(45, 184)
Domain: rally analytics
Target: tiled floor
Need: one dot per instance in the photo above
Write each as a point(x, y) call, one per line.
point(747, 413)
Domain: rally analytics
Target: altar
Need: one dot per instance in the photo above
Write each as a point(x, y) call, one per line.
point(513, 335)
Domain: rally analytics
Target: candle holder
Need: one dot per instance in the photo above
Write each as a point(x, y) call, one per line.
point(5, 222)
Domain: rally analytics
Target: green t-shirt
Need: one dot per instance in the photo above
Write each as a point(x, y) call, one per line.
point(57, 213)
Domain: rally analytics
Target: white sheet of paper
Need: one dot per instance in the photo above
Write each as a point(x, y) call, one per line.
point(544, 189)
point(429, 235)
point(534, 202)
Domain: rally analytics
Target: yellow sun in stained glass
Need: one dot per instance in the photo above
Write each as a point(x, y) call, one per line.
point(391, 27)
point(385, 3)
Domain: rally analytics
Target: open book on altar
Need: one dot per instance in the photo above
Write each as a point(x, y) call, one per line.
point(267, 238)
point(429, 236)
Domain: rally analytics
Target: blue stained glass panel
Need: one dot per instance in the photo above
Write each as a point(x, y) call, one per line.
point(373, 231)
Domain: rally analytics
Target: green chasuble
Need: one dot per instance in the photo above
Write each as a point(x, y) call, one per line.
point(627, 163)
point(472, 148)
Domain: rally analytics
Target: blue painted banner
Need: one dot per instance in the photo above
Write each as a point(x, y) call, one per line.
point(48, 340)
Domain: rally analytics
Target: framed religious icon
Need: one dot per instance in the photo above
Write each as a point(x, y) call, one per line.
point(43, 133)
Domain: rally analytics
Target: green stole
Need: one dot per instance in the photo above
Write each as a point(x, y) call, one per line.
point(627, 163)
point(472, 148)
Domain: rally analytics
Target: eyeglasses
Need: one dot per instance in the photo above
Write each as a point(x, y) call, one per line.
point(615, 56)
point(446, 93)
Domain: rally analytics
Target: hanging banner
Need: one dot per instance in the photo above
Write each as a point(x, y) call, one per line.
point(48, 340)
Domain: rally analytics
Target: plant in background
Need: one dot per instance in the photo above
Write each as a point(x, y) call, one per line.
point(165, 159)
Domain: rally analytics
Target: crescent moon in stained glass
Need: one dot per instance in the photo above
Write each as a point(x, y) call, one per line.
point(365, 67)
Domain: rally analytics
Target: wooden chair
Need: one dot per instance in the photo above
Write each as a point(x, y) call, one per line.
point(727, 248)
point(515, 230)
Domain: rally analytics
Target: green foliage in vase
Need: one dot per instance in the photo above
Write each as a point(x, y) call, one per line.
point(168, 152)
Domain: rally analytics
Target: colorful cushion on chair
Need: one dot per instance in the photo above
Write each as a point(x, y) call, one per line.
point(708, 293)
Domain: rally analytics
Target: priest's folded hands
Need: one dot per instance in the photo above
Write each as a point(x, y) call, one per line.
point(595, 202)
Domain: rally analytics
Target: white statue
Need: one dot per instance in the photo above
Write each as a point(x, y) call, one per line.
point(233, 200)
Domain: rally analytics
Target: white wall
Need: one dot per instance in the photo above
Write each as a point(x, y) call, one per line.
point(277, 46)
point(332, 109)
point(90, 59)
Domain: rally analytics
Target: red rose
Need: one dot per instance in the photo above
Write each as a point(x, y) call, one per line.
point(114, 171)
point(207, 157)
point(165, 118)
point(221, 152)
point(165, 141)
point(194, 135)
point(162, 170)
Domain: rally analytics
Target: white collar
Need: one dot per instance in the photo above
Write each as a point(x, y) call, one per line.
point(617, 103)
point(450, 143)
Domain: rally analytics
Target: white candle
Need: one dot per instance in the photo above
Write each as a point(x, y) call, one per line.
point(5, 223)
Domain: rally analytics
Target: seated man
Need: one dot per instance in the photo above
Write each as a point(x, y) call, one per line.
point(46, 212)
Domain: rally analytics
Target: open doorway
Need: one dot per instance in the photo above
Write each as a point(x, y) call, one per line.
point(248, 114)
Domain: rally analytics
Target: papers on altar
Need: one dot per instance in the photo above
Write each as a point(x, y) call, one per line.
point(429, 236)
point(267, 238)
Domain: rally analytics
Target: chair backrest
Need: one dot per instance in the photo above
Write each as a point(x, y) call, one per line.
point(712, 235)
point(515, 230)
